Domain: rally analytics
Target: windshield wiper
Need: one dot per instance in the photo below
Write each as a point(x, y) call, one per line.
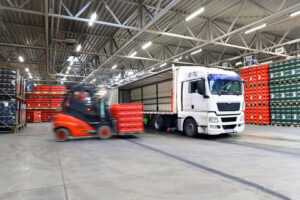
point(221, 89)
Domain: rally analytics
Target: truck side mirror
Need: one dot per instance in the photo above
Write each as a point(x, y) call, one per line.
point(201, 88)
point(245, 83)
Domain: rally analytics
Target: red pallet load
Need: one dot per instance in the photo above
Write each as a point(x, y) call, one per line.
point(128, 117)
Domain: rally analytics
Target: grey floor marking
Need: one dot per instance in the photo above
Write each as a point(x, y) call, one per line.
point(217, 172)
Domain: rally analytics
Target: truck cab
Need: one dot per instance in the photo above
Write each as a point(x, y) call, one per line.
point(209, 100)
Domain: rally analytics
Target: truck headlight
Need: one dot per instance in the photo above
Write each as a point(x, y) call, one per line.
point(242, 118)
point(213, 120)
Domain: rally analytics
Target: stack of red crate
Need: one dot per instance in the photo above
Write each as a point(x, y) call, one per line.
point(29, 116)
point(256, 94)
point(128, 116)
point(46, 99)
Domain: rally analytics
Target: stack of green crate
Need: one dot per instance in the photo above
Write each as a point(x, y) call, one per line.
point(284, 78)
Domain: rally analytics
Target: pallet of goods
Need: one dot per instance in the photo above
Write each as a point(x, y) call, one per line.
point(257, 109)
point(12, 100)
point(47, 100)
point(285, 93)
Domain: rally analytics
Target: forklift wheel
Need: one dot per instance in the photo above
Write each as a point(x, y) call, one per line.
point(104, 132)
point(61, 134)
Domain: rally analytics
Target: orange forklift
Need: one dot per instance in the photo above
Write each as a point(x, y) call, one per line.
point(85, 113)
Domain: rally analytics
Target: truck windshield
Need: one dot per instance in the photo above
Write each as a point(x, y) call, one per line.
point(221, 84)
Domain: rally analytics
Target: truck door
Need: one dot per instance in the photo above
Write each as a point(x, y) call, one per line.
point(186, 97)
point(198, 102)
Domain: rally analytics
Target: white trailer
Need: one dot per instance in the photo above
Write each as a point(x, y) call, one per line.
point(192, 99)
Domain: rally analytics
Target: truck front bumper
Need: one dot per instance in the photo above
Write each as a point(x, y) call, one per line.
point(218, 129)
point(225, 124)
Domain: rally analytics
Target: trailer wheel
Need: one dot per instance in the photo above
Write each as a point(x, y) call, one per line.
point(104, 132)
point(61, 134)
point(158, 122)
point(190, 128)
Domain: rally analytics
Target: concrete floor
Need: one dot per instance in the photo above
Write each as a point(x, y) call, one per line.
point(263, 163)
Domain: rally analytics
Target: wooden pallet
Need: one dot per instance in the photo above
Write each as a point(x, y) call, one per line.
point(286, 125)
point(287, 81)
point(257, 104)
point(285, 103)
point(258, 124)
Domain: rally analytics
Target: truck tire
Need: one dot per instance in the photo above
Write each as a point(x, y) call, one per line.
point(61, 134)
point(158, 122)
point(104, 132)
point(190, 128)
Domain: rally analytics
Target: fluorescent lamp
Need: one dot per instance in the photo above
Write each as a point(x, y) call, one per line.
point(93, 18)
point(133, 54)
point(114, 67)
point(72, 58)
point(164, 64)
point(78, 47)
point(69, 67)
point(27, 70)
point(148, 44)
point(194, 14)
point(238, 63)
point(67, 72)
point(295, 13)
point(255, 28)
point(195, 52)
point(21, 59)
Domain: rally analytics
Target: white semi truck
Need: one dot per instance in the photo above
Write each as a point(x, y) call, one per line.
point(192, 99)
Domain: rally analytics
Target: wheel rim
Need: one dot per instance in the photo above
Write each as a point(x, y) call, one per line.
point(60, 135)
point(104, 132)
point(190, 128)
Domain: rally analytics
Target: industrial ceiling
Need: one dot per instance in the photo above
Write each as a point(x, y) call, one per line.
point(105, 41)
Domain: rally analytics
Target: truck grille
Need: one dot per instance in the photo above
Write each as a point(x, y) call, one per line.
point(229, 126)
point(228, 119)
point(228, 106)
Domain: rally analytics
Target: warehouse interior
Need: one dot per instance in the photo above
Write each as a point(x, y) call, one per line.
point(118, 99)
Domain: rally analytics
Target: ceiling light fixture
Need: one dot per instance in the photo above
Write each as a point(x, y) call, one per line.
point(114, 67)
point(93, 18)
point(78, 48)
point(148, 44)
point(195, 52)
point(69, 67)
point(26, 69)
point(67, 72)
point(133, 54)
point(21, 59)
point(295, 14)
point(194, 14)
point(72, 62)
point(256, 28)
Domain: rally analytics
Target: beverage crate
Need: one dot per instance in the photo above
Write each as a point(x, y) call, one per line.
point(29, 116)
point(37, 116)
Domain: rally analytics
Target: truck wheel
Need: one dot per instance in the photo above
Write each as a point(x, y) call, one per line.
point(158, 122)
point(190, 128)
point(104, 132)
point(61, 134)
